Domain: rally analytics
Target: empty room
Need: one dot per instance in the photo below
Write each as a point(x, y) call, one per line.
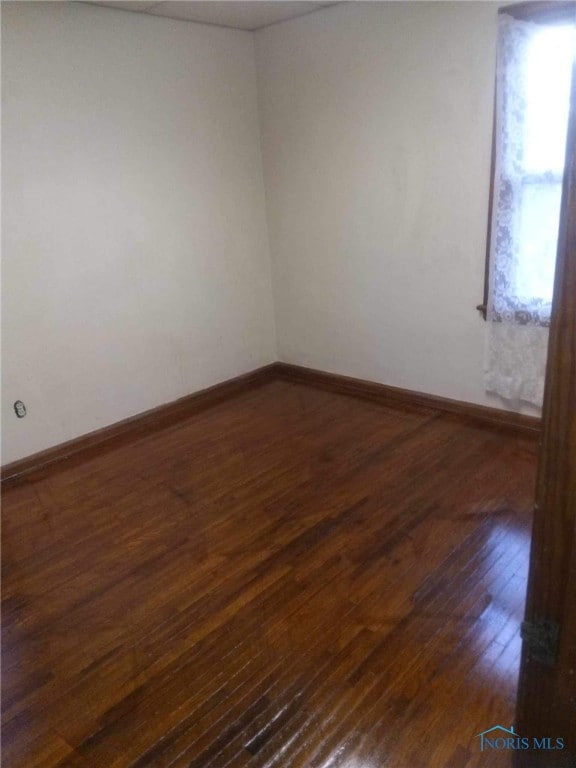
point(288, 384)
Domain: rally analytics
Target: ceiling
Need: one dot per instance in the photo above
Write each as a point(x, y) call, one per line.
point(239, 14)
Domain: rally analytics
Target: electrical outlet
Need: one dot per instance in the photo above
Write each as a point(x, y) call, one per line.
point(20, 409)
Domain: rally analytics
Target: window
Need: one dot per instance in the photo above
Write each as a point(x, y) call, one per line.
point(535, 58)
point(548, 69)
point(533, 75)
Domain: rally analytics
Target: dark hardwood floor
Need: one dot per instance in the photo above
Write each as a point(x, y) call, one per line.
point(289, 578)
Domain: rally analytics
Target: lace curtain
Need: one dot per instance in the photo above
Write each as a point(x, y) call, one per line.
point(526, 205)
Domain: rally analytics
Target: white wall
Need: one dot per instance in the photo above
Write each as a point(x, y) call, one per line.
point(376, 122)
point(135, 247)
point(135, 261)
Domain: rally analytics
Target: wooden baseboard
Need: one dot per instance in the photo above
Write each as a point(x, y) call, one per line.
point(395, 396)
point(90, 445)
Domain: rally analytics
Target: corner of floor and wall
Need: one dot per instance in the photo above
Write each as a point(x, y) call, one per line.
point(313, 192)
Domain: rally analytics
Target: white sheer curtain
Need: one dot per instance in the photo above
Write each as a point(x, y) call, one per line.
point(532, 99)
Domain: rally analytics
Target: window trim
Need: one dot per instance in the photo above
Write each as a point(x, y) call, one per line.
point(542, 11)
point(539, 12)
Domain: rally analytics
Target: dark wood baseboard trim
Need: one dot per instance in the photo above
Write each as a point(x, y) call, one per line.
point(90, 445)
point(395, 396)
point(134, 427)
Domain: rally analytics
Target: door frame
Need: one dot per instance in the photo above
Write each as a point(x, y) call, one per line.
point(546, 704)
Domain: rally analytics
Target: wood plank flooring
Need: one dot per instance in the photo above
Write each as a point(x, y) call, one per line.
point(290, 578)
